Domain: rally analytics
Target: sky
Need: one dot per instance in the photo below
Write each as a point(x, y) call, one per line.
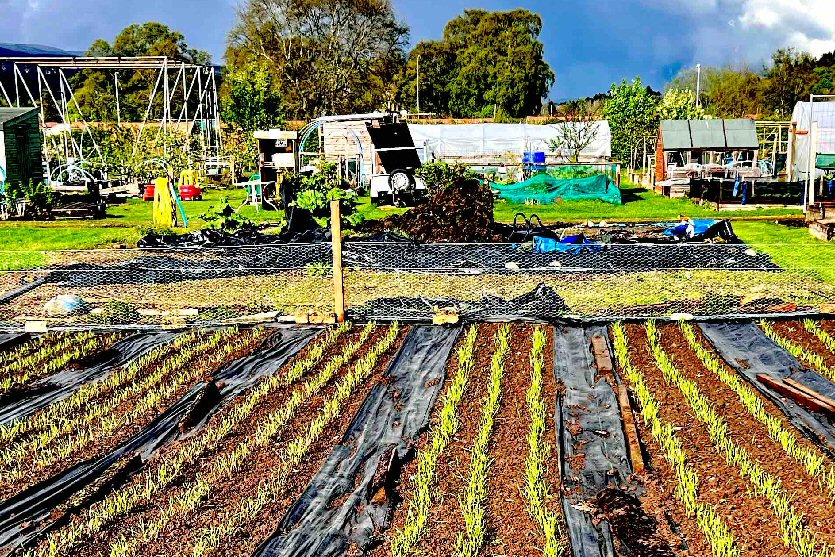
point(589, 44)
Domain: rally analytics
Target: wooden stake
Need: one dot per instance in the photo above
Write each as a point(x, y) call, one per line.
point(338, 284)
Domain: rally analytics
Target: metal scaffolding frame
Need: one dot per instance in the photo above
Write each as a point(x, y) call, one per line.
point(192, 80)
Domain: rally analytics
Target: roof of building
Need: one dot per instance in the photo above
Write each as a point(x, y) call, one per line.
point(7, 114)
point(720, 135)
point(15, 50)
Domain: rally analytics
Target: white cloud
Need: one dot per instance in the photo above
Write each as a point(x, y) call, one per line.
point(748, 31)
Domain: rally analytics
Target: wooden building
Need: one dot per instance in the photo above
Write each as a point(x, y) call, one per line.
point(20, 145)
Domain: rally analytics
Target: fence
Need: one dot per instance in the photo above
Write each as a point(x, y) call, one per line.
point(406, 281)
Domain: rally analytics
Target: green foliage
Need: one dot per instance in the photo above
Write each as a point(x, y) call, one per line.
point(679, 104)
point(487, 64)
point(336, 57)
point(440, 175)
point(772, 92)
point(250, 100)
point(95, 89)
point(315, 193)
point(632, 112)
point(39, 197)
point(225, 218)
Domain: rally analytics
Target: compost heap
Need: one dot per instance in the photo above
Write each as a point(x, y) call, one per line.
point(461, 213)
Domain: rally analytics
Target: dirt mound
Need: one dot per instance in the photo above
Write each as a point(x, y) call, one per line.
point(633, 528)
point(463, 212)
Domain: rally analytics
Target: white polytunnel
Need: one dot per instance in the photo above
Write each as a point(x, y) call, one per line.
point(823, 114)
point(473, 141)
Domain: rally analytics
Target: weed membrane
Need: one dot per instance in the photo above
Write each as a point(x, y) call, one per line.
point(65, 382)
point(11, 340)
point(542, 303)
point(593, 446)
point(27, 516)
point(350, 500)
point(746, 349)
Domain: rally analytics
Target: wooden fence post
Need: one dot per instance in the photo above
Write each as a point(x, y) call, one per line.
point(338, 278)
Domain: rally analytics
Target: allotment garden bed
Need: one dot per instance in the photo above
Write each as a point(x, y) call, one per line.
point(385, 439)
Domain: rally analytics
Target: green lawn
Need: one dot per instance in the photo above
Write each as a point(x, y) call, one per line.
point(639, 205)
point(126, 223)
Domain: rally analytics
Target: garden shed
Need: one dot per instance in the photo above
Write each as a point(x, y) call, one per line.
point(20, 145)
point(682, 143)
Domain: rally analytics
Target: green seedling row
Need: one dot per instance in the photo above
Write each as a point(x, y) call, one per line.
point(795, 533)
point(61, 411)
point(811, 359)
point(536, 463)
point(76, 432)
point(172, 466)
point(51, 358)
point(813, 462)
point(235, 521)
point(473, 503)
point(719, 535)
point(819, 332)
point(406, 539)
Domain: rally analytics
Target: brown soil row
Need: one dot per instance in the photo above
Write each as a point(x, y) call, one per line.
point(797, 333)
point(104, 444)
point(751, 519)
point(227, 494)
point(101, 544)
point(808, 496)
point(512, 531)
point(445, 518)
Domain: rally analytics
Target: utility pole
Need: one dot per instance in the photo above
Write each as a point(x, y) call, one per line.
point(417, 85)
point(698, 85)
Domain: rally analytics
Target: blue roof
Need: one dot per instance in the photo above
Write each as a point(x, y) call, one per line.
point(12, 49)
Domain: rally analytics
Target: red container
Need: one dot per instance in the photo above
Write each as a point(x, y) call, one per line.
point(148, 193)
point(189, 192)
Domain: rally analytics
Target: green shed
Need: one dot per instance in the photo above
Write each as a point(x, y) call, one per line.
point(20, 145)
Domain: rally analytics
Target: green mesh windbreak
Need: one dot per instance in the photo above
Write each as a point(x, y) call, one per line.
point(544, 189)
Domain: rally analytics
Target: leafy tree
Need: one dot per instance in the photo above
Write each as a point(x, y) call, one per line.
point(790, 78)
point(487, 64)
point(250, 99)
point(328, 56)
point(95, 89)
point(579, 129)
point(679, 104)
point(726, 92)
point(632, 112)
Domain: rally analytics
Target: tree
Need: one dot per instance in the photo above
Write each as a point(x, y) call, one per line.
point(679, 104)
point(579, 130)
point(725, 92)
point(632, 112)
point(328, 56)
point(789, 79)
point(487, 64)
point(95, 89)
point(250, 99)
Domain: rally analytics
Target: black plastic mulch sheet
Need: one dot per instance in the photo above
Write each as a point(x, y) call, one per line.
point(750, 352)
point(26, 516)
point(65, 382)
point(541, 304)
point(349, 502)
point(589, 424)
point(10, 340)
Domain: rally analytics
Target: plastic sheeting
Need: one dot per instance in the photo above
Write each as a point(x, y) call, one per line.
point(546, 190)
point(439, 141)
point(746, 348)
point(822, 112)
point(27, 516)
point(589, 424)
point(65, 382)
point(342, 506)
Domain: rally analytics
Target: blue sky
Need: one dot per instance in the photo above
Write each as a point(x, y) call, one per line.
point(590, 44)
